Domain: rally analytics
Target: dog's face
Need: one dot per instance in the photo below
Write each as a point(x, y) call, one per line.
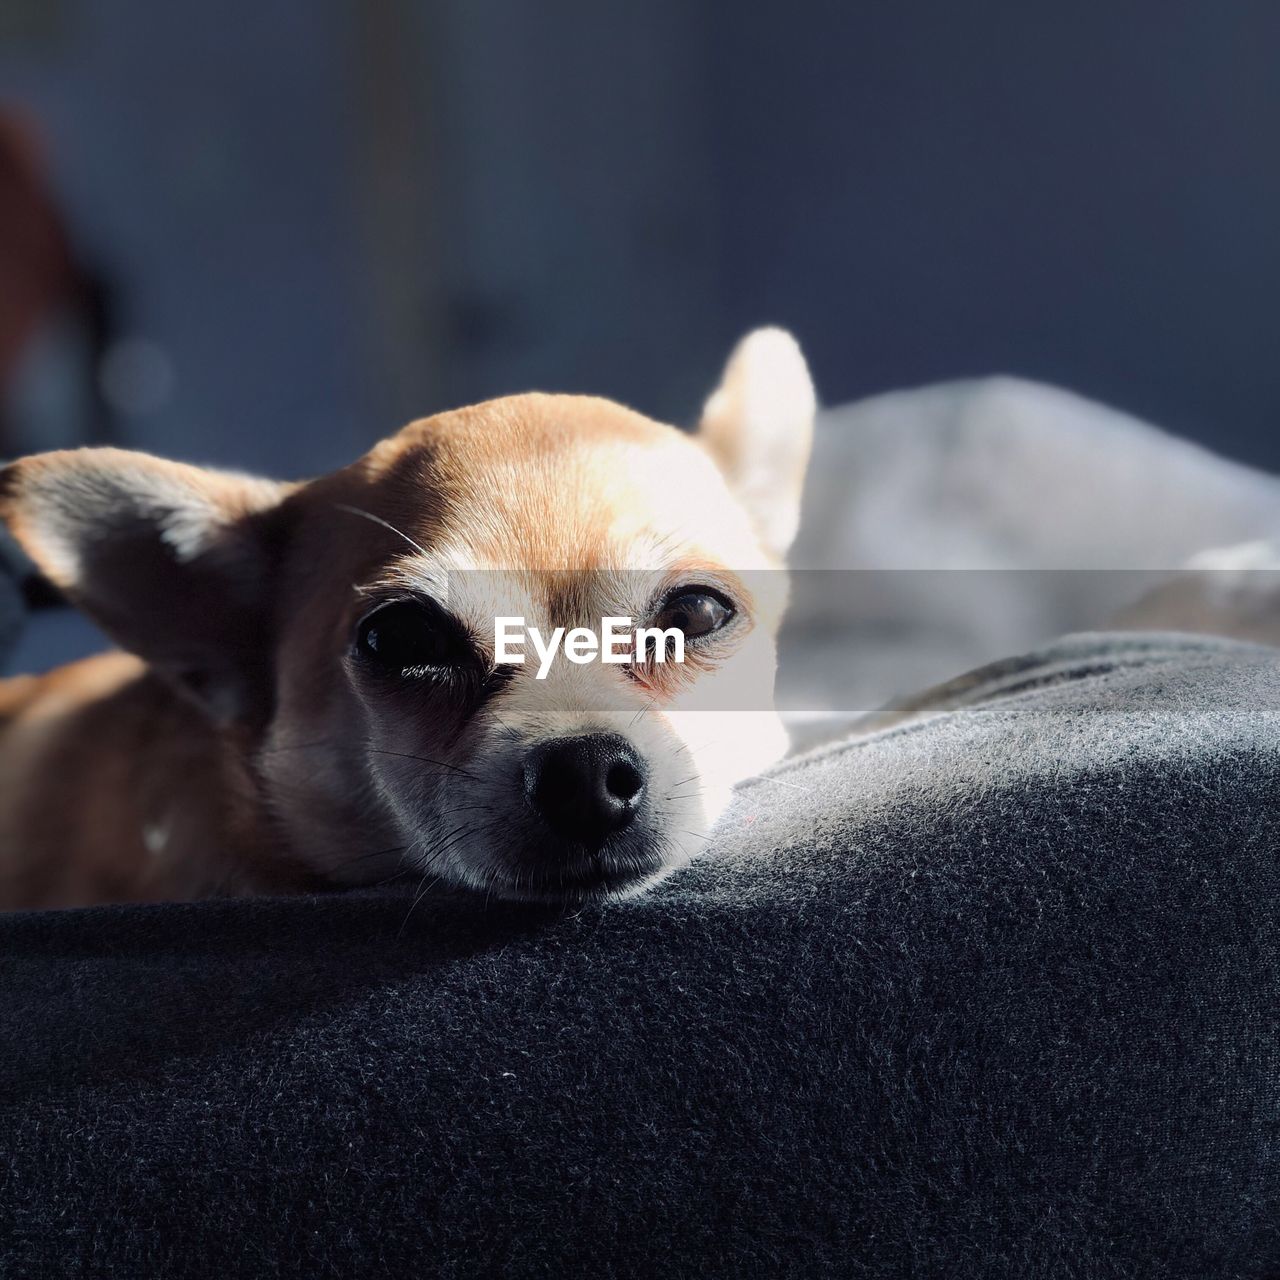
point(345, 630)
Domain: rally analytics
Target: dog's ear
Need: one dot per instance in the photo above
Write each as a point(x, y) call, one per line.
point(758, 426)
point(174, 562)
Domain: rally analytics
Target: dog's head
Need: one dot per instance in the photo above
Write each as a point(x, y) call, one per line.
point(345, 630)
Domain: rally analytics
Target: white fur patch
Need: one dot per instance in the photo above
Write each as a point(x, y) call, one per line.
point(759, 425)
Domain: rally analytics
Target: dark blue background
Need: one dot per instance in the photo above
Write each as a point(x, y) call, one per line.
point(334, 216)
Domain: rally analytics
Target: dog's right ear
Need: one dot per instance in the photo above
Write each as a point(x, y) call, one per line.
point(174, 562)
point(758, 426)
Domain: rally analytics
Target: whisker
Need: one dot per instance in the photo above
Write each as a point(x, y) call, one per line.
point(425, 888)
point(439, 764)
point(698, 790)
point(778, 782)
point(684, 795)
point(462, 808)
point(505, 726)
point(296, 746)
point(368, 515)
point(376, 853)
point(378, 884)
point(492, 880)
point(418, 894)
point(460, 833)
point(644, 711)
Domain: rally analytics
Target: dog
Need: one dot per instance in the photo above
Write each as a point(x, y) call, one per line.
point(307, 693)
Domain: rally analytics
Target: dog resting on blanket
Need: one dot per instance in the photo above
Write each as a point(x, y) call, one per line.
point(312, 690)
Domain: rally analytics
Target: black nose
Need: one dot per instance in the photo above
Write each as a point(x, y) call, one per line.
point(586, 788)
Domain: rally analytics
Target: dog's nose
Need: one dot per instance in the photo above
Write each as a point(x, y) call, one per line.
point(586, 787)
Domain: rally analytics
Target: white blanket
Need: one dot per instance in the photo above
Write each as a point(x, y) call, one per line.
point(952, 525)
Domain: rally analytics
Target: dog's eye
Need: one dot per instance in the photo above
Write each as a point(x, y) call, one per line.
point(405, 637)
point(695, 612)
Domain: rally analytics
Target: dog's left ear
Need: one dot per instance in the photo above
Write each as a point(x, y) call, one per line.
point(174, 562)
point(758, 426)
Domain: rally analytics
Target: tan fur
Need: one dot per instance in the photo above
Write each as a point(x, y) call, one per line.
point(114, 789)
point(284, 769)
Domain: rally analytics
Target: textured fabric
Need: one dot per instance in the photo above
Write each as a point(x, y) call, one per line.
point(991, 994)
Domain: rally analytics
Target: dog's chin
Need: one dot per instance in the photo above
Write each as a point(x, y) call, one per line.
point(577, 884)
point(570, 876)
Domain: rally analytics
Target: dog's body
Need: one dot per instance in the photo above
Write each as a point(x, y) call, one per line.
point(115, 788)
point(314, 697)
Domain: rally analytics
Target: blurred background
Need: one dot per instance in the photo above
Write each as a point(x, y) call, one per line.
point(265, 234)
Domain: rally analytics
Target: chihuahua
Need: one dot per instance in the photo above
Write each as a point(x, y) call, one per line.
point(309, 691)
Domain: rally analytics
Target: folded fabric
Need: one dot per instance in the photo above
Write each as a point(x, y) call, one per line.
point(991, 993)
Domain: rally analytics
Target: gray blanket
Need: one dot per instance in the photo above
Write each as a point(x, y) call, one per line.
point(988, 994)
